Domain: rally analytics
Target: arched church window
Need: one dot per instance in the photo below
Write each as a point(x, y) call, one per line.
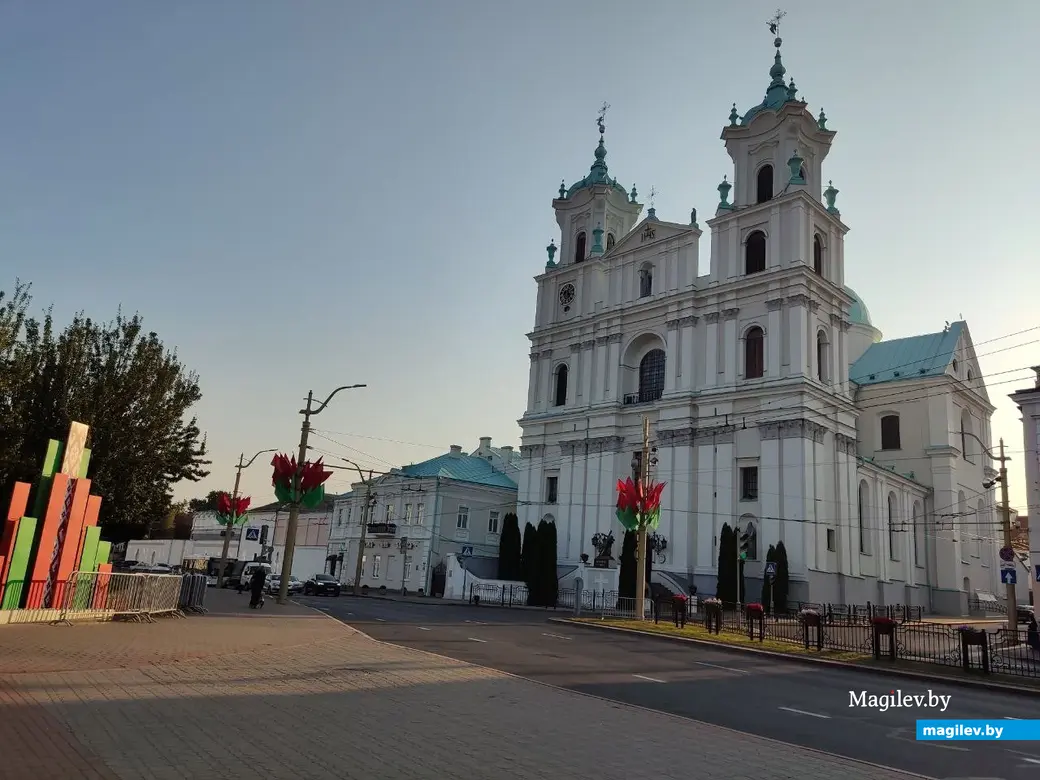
point(822, 353)
point(579, 248)
point(893, 553)
point(817, 254)
point(864, 531)
point(752, 549)
point(764, 184)
point(755, 253)
point(651, 376)
point(646, 281)
point(754, 354)
point(610, 241)
point(560, 398)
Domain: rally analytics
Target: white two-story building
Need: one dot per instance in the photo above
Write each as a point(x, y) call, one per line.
point(775, 405)
point(404, 523)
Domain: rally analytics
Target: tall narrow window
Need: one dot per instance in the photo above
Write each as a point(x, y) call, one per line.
point(967, 443)
point(610, 241)
point(890, 432)
point(892, 553)
point(561, 386)
point(916, 520)
point(821, 357)
point(579, 248)
point(651, 376)
point(646, 281)
point(817, 254)
point(754, 354)
point(755, 253)
point(765, 184)
point(864, 535)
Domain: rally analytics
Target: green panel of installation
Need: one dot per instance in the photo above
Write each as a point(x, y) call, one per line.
point(84, 464)
point(23, 544)
point(104, 549)
point(51, 464)
point(90, 549)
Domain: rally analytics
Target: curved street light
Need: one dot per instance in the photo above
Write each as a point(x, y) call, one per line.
point(242, 464)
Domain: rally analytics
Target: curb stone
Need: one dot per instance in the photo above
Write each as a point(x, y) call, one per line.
point(808, 659)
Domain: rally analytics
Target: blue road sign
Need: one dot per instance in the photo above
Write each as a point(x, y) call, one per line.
point(771, 569)
point(1008, 576)
point(467, 550)
point(252, 534)
point(1037, 567)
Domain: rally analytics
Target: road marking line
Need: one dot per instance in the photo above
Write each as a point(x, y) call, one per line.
point(421, 628)
point(381, 620)
point(648, 679)
point(1008, 717)
point(474, 639)
point(727, 668)
point(803, 712)
point(557, 636)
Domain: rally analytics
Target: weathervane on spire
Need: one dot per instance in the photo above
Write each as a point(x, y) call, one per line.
point(653, 194)
point(602, 118)
point(774, 23)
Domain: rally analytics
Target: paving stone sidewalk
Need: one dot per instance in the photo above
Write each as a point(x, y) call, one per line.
point(291, 694)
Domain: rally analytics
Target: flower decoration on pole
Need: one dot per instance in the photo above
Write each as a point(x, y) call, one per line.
point(231, 512)
point(295, 485)
point(639, 506)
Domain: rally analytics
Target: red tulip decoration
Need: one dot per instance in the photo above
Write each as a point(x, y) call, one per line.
point(292, 484)
point(638, 505)
point(231, 512)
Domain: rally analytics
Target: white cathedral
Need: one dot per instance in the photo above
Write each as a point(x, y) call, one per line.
point(774, 404)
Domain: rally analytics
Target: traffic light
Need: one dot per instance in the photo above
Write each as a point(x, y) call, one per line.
point(745, 542)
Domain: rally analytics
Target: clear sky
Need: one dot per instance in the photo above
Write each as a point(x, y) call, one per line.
point(309, 193)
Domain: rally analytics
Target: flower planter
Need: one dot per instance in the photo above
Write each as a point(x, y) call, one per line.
point(883, 631)
point(679, 605)
point(713, 615)
point(755, 614)
point(810, 619)
point(974, 637)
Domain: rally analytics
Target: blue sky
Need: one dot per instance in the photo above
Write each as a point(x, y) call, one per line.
point(298, 195)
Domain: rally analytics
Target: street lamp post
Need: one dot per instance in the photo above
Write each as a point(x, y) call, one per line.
point(1002, 478)
point(294, 510)
point(242, 464)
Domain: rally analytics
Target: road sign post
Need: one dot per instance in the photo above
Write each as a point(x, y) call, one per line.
point(1009, 577)
point(464, 553)
point(771, 576)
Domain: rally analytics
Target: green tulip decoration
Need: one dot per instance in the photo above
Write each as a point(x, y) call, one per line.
point(639, 505)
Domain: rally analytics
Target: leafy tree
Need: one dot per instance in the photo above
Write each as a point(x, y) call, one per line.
point(549, 583)
point(510, 551)
point(529, 563)
point(767, 588)
point(782, 584)
point(118, 379)
point(207, 504)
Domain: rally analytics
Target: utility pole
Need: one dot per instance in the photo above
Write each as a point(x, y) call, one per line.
point(294, 510)
point(644, 482)
point(366, 518)
point(230, 530)
point(1012, 600)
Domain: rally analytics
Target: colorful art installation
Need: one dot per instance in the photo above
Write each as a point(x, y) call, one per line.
point(294, 485)
point(231, 511)
point(39, 552)
point(639, 505)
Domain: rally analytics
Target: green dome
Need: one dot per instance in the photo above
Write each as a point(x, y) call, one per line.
point(858, 313)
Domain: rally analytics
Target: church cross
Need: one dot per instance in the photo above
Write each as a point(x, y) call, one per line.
point(602, 118)
point(653, 194)
point(774, 23)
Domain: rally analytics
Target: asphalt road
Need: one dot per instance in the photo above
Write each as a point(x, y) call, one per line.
point(791, 702)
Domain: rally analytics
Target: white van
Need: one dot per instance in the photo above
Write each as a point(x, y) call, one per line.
point(247, 573)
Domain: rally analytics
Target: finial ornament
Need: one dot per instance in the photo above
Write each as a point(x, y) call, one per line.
point(822, 121)
point(774, 26)
point(563, 189)
point(602, 118)
point(733, 116)
point(693, 219)
point(633, 195)
point(830, 195)
point(653, 194)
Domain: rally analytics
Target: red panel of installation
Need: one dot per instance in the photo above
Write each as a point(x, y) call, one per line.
point(15, 512)
point(48, 537)
point(90, 518)
point(104, 581)
point(73, 538)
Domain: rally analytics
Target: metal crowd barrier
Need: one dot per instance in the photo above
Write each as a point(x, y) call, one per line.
point(128, 596)
point(193, 594)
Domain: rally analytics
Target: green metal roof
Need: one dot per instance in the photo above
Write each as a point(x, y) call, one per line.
point(461, 467)
point(858, 313)
point(597, 172)
point(910, 358)
point(777, 94)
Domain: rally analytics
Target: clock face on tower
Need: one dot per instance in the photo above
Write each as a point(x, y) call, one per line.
point(567, 294)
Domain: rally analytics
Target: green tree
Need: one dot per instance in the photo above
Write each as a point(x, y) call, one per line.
point(118, 379)
point(207, 504)
point(782, 584)
point(529, 563)
point(510, 550)
point(549, 583)
point(767, 588)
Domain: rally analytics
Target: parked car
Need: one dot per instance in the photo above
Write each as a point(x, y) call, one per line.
point(274, 582)
point(1025, 613)
point(322, 585)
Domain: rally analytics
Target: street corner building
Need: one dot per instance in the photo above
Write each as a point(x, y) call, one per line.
point(775, 405)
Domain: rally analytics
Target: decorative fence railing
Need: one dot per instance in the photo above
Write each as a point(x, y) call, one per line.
point(104, 596)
